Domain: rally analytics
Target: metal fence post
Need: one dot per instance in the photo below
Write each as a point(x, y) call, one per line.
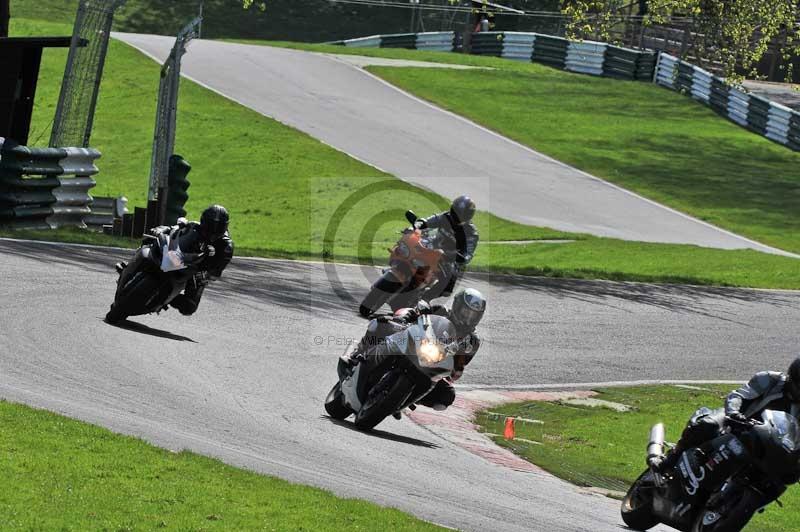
point(166, 117)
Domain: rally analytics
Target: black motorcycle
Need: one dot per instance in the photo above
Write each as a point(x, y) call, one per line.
point(378, 387)
point(157, 274)
point(719, 486)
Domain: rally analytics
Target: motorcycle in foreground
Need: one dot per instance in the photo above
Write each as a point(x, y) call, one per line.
point(720, 485)
point(416, 264)
point(157, 274)
point(381, 386)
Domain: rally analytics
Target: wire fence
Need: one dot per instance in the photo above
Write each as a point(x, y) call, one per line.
point(167, 109)
point(72, 125)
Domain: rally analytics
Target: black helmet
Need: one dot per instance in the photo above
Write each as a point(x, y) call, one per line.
point(214, 222)
point(792, 386)
point(462, 209)
point(468, 308)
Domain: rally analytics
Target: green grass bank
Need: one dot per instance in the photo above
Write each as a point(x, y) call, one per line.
point(285, 189)
point(600, 447)
point(61, 474)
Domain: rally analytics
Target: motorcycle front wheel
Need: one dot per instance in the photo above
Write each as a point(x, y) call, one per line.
point(334, 403)
point(637, 506)
point(733, 518)
point(133, 297)
point(384, 399)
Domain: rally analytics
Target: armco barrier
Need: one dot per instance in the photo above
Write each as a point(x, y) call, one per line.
point(778, 123)
point(487, 43)
point(738, 106)
point(701, 85)
point(105, 211)
point(551, 51)
point(45, 187)
point(622, 63)
point(793, 138)
point(401, 40)
point(440, 41)
point(586, 57)
point(518, 46)
point(758, 114)
point(364, 42)
point(769, 119)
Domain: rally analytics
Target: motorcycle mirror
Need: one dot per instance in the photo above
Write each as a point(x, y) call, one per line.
point(411, 217)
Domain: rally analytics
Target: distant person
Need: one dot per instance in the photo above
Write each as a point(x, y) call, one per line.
point(457, 225)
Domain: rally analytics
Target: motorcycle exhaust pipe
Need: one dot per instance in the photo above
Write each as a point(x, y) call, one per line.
point(655, 449)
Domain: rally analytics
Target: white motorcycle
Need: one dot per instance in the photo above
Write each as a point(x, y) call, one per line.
point(402, 372)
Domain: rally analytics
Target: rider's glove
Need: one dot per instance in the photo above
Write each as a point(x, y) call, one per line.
point(737, 420)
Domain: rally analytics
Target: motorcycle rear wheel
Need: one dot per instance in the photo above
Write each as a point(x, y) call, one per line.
point(334, 403)
point(384, 402)
point(133, 298)
point(637, 506)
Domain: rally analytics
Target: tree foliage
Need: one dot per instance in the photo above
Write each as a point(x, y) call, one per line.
point(732, 36)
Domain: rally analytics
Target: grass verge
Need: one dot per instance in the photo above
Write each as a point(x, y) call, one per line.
point(655, 142)
point(61, 474)
point(600, 447)
point(283, 188)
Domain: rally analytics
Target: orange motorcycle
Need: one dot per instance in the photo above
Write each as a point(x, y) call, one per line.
point(417, 264)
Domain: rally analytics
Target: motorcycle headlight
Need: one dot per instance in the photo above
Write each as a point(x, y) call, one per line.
point(430, 353)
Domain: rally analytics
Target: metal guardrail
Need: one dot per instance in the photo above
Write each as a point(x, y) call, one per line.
point(518, 46)
point(766, 118)
point(437, 41)
point(587, 57)
point(104, 211)
point(45, 187)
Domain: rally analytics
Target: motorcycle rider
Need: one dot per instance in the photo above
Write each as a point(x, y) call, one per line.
point(465, 314)
point(212, 234)
point(767, 390)
point(457, 224)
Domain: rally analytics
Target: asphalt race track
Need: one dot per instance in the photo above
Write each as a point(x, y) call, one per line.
point(346, 107)
point(245, 378)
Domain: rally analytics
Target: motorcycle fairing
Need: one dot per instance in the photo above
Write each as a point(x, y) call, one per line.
point(350, 388)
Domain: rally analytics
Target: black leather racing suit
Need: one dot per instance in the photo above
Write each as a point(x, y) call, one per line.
point(372, 344)
point(465, 238)
point(211, 268)
point(765, 391)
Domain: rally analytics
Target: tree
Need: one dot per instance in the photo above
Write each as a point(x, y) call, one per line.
point(731, 36)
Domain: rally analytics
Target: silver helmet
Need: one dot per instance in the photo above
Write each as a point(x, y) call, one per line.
point(468, 308)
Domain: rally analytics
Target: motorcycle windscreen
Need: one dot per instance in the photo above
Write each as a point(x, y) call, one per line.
point(172, 259)
point(786, 429)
